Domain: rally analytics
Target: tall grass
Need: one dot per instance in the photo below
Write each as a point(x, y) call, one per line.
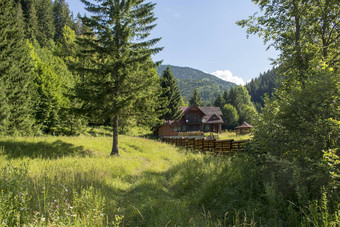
point(73, 181)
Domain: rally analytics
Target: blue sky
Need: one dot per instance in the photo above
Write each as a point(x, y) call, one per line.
point(203, 35)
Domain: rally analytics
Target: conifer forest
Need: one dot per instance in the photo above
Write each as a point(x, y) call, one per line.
point(82, 101)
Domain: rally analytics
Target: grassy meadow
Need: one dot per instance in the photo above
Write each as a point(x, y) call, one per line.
point(72, 181)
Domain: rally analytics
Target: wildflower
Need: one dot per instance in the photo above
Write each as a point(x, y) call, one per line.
point(57, 206)
point(71, 207)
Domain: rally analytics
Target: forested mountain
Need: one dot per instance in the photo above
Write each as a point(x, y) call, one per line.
point(264, 84)
point(208, 86)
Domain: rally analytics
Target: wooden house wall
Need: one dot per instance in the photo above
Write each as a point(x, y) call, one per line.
point(167, 130)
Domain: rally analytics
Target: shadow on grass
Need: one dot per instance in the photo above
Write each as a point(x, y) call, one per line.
point(43, 150)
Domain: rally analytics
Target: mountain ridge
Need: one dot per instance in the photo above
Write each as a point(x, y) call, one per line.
point(208, 85)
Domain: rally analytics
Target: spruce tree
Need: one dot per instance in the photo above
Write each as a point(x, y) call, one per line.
point(45, 22)
point(121, 76)
point(219, 101)
point(15, 72)
point(61, 18)
point(170, 93)
point(32, 21)
point(195, 100)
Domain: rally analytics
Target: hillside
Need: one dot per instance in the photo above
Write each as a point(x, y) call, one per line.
point(209, 86)
point(266, 83)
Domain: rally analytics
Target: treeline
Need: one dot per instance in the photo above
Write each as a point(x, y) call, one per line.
point(236, 106)
point(37, 39)
point(266, 83)
point(51, 73)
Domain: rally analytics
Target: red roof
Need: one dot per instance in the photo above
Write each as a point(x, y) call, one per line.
point(244, 125)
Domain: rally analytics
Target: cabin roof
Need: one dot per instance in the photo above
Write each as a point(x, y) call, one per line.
point(245, 125)
point(208, 111)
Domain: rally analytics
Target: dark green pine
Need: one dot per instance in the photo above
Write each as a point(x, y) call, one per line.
point(219, 101)
point(32, 21)
point(16, 73)
point(45, 21)
point(119, 77)
point(195, 100)
point(172, 96)
point(61, 17)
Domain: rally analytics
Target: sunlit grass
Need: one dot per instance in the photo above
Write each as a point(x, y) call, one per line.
point(129, 183)
point(227, 135)
point(232, 135)
point(73, 181)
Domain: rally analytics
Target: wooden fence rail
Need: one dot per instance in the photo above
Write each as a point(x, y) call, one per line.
point(220, 147)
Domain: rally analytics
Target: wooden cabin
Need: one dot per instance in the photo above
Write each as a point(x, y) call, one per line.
point(194, 118)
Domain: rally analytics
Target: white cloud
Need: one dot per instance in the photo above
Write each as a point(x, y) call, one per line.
point(228, 76)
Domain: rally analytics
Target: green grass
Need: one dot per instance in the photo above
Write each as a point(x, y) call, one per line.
point(226, 135)
point(139, 185)
point(72, 181)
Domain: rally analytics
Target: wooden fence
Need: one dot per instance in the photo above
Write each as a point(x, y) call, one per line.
point(220, 147)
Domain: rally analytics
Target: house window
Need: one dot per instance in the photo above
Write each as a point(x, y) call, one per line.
point(173, 128)
point(201, 128)
point(207, 127)
point(179, 129)
point(184, 128)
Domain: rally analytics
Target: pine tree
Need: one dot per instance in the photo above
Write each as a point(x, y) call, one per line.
point(121, 76)
point(61, 18)
point(32, 22)
point(15, 72)
point(219, 101)
point(45, 22)
point(195, 100)
point(170, 93)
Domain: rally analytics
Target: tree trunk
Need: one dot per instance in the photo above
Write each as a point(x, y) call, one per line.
point(114, 150)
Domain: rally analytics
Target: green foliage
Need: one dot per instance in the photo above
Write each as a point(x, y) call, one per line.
point(171, 96)
point(195, 100)
point(303, 31)
point(61, 18)
point(16, 73)
point(209, 86)
point(245, 108)
point(46, 26)
point(53, 82)
point(266, 83)
point(303, 118)
point(219, 101)
point(239, 98)
point(121, 77)
point(32, 21)
point(296, 131)
point(230, 116)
